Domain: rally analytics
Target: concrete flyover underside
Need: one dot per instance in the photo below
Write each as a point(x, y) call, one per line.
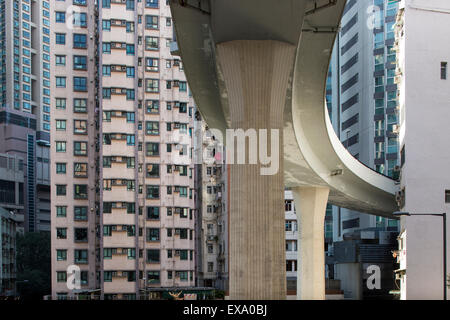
point(263, 64)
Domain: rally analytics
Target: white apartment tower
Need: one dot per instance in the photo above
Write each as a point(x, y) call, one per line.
point(423, 80)
point(122, 175)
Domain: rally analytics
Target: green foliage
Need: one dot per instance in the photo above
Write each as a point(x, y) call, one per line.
point(34, 265)
point(219, 294)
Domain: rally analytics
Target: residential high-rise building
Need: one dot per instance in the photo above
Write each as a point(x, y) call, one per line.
point(123, 207)
point(212, 207)
point(11, 219)
point(9, 227)
point(25, 101)
point(423, 80)
point(362, 103)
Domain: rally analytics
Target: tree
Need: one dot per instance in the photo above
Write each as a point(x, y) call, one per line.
point(34, 265)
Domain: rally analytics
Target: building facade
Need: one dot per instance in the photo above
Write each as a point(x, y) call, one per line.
point(423, 80)
point(9, 227)
point(212, 207)
point(123, 206)
point(25, 101)
point(363, 106)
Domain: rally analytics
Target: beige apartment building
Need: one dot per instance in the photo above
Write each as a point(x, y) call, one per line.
point(121, 158)
point(212, 201)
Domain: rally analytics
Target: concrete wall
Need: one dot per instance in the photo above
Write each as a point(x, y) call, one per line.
point(424, 135)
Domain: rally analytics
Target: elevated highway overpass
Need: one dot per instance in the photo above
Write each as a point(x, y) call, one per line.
point(263, 64)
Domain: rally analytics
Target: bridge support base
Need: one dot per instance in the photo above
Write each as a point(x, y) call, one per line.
point(311, 204)
point(256, 75)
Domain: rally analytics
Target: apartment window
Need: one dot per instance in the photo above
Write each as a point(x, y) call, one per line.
point(151, 3)
point(130, 49)
point(61, 189)
point(131, 232)
point(152, 234)
point(130, 162)
point(183, 86)
point(153, 255)
point(106, 47)
point(80, 148)
point(60, 168)
point(61, 211)
point(152, 192)
point(61, 276)
point(79, 105)
point(79, 41)
point(79, 84)
point(152, 170)
point(152, 106)
point(151, 22)
point(60, 82)
point(130, 72)
point(152, 149)
point(80, 170)
point(60, 103)
point(168, 22)
point(80, 126)
point(130, 94)
point(61, 233)
point(152, 85)
point(107, 275)
point(80, 234)
point(153, 213)
point(81, 256)
point(79, 19)
point(152, 128)
point(80, 191)
point(447, 196)
point(152, 64)
point(80, 213)
point(106, 25)
point(130, 4)
point(61, 125)
point(60, 60)
point(84, 277)
point(106, 3)
point(151, 43)
point(79, 63)
point(130, 28)
point(60, 38)
point(60, 17)
point(61, 255)
point(130, 140)
point(443, 70)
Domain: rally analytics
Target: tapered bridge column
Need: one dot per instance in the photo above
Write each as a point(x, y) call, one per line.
point(311, 204)
point(256, 76)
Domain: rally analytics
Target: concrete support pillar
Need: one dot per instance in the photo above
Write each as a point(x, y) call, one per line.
point(311, 204)
point(256, 75)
